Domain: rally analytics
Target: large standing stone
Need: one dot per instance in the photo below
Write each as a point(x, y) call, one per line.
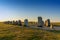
point(10, 22)
point(40, 22)
point(26, 22)
point(16, 23)
point(51, 26)
point(47, 23)
point(19, 22)
point(13, 22)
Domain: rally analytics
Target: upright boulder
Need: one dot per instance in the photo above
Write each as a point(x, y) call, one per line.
point(16, 22)
point(47, 23)
point(13, 22)
point(19, 22)
point(26, 22)
point(40, 22)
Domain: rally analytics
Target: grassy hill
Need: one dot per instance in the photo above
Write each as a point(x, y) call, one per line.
point(14, 32)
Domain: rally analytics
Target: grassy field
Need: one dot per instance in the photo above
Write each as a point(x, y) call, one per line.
point(55, 23)
point(14, 32)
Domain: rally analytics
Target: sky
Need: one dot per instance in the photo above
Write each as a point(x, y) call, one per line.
point(30, 9)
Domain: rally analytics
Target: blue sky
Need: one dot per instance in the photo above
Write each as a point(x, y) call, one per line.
point(30, 9)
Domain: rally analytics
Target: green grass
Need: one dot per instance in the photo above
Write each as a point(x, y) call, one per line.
point(14, 32)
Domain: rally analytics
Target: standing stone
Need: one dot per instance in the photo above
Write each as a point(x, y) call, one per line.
point(10, 22)
point(26, 22)
point(19, 23)
point(40, 22)
point(47, 23)
point(51, 27)
point(13, 22)
point(16, 23)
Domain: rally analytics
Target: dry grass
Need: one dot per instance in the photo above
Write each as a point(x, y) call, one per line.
point(14, 32)
point(55, 23)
